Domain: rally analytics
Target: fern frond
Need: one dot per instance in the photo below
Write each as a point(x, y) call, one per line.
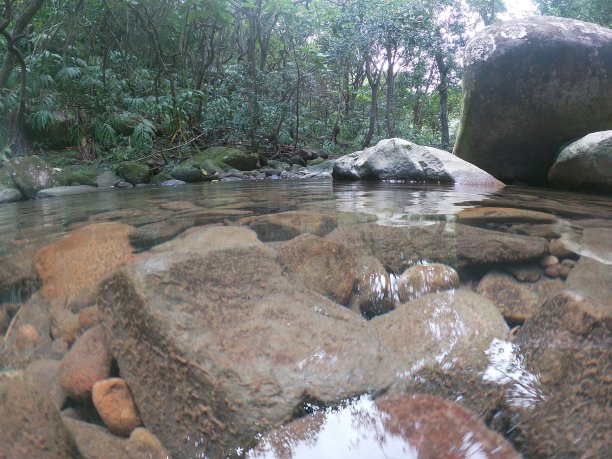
point(68, 73)
point(40, 120)
point(105, 135)
point(143, 135)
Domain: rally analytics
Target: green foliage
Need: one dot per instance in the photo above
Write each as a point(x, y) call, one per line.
point(143, 135)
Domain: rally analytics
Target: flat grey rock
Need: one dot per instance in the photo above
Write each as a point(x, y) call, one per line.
point(65, 191)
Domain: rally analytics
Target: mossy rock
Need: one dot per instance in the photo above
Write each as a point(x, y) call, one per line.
point(56, 134)
point(30, 174)
point(231, 157)
point(5, 178)
point(62, 158)
point(81, 175)
point(125, 122)
point(189, 173)
point(134, 172)
point(161, 177)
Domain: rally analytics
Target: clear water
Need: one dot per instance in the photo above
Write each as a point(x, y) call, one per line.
point(25, 226)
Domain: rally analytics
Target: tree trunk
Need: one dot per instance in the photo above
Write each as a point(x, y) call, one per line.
point(374, 84)
point(443, 92)
point(16, 34)
point(390, 119)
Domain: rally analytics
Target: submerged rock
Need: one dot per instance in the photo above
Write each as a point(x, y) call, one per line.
point(405, 426)
point(452, 244)
point(517, 301)
point(585, 164)
point(30, 425)
point(75, 264)
point(114, 403)
point(287, 225)
point(566, 413)
point(592, 280)
point(325, 266)
point(221, 342)
point(87, 362)
point(454, 327)
point(95, 442)
point(531, 85)
point(506, 215)
point(398, 159)
point(422, 279)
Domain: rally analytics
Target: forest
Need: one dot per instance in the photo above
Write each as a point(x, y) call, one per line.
point(122, 80)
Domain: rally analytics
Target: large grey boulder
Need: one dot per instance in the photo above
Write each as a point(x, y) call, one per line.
point(398, 159)
point(531, 85)
point(30, 174)
point(212, 334)
point(585, 164)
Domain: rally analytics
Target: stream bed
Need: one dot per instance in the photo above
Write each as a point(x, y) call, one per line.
point(308, 319)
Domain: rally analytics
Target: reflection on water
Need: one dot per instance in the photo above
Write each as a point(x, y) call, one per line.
point(507, 368)
point(355, 431)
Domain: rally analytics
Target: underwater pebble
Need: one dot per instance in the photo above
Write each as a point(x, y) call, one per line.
point(113, 400)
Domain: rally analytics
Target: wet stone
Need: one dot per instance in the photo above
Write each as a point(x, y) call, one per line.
point(287, 225)
point(422, 279)
point(30, 426)
point(114, 403)
point(87, 362)
point(453, 244)
point(517, 301)
point(404, 426)
point(147, 236)
point(373, 291)
point(325, 266)
point(484, 215)
point(78, 261)
point(204, 333)
point(568, 345)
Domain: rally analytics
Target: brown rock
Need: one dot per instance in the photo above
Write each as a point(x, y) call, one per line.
point(223, 343)
point(548, 260)
point(420, 426)
point(5, 321)
point(516, 300)
point(26, 337)
point(592, 280)
point(155, 233)
point(44, 374)
point(525, 272)
point(287, 225)
point(484, 215)
point(87, 362)
point(64, 324)
point(142, 441)
point(452, 244)
point(89, 317)
point(35, 313)
point(567, 345)
point(80, 260)
point(325, 266)
point(113, 400)
point(30, 426)
point(422, 279)
point(95, 442)
point(373, 290)
point(557, 248)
